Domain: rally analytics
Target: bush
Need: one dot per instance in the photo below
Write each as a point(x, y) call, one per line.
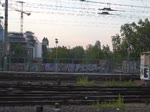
point(83, 81)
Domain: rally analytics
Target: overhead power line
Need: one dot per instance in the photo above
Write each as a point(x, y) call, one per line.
point(125, 5)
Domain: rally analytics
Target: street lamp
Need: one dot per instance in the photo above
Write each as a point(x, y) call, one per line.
point(56, 41)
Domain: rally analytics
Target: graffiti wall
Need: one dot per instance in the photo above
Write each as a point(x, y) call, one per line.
point(131, 67)
point(61, 67)
point(102, 67)
point(78, 67)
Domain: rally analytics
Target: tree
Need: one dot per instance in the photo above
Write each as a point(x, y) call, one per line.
point(93, 53)
point(107, 54)
point(118, 50)
point(134, 39)
point(17, 53)
point(77, 52)
point(17, 50)
point(63, 54)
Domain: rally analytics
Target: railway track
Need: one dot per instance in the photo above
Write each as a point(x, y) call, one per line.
point(48, 95)
point(51, 76)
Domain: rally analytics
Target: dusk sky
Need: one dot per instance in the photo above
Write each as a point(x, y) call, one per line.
point(75, 22)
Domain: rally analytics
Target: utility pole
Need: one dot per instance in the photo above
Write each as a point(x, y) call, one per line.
point(5, 36)
point(56, 41)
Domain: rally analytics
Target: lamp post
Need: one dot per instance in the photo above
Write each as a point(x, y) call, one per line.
point(56, 41)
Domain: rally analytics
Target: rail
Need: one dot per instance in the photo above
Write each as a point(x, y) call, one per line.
point(48, 95)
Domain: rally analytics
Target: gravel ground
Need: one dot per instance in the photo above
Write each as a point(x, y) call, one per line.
point(71, 108)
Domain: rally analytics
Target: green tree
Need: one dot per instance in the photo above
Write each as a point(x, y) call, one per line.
point(134, 39)
point(17, 50)
point(63, 54)
point(77, 52)
point(93, 54)
point(17, 53)
point(107, 54)
point(118, 49)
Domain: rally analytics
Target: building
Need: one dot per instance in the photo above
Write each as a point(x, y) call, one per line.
point(33, 45)
point(98, 44)
point(45, 44)
point(89, 46)
point(25, 45)
point(17, 51)
point(17, 38)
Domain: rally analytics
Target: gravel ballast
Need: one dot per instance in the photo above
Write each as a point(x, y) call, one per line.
point(72, 108)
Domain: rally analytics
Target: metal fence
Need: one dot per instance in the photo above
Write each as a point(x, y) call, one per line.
point(1, 59)
point(75, 65)
point(1, 54)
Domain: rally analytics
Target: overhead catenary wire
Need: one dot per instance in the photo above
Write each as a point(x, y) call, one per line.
point(65, 8)
point(80, 10)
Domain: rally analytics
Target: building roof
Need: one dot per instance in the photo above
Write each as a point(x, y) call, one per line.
point(16, 37)
point(146, 52)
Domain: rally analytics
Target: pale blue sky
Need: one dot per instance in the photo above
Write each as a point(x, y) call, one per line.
point(76, 23)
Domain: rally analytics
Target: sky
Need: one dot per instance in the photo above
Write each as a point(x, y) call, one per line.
point(75, 22)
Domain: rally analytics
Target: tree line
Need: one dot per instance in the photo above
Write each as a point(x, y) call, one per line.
point(133, 39)
point(78, 52)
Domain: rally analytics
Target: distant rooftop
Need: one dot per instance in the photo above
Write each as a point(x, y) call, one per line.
point(29, 32)
point(15, 34)
point(146, 52)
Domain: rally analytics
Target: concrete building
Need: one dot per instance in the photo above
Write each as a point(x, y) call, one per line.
point(32, 48)
point(15, 37)
point(45, 44)
point(33, 45)
point(89, 46)
point(98, 44)
point(17, 45)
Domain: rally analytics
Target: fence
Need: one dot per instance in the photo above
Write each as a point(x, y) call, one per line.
point(1, 54)
point(1, 59)
point(74, 65)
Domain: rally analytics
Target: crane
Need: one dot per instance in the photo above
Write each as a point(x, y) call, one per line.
point(21, 17)
point(21, 11)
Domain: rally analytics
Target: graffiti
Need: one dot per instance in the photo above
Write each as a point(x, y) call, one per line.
point(101, 67)
point(130, 67)
point(49, 67)
point(77, 67)
point(16, 67)
point(60, 67)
